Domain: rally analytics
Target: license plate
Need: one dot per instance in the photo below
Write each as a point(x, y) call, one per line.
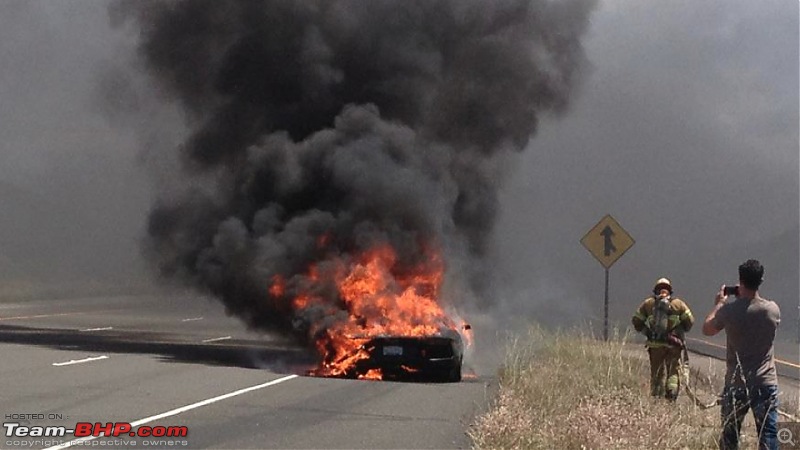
point(392, 350)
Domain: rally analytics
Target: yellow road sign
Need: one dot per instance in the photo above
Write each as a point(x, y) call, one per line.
point(607, 241)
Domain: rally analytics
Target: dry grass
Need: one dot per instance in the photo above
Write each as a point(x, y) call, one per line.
point(568, 391)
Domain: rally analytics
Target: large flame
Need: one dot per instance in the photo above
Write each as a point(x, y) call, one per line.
point(379, 298)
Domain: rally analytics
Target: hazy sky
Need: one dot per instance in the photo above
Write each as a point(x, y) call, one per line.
point(70, 174)
point(685, 130)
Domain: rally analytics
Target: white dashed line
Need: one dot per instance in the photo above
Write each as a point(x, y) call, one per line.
point(39, 316)
point(80, 361)
point(99, 329)
point(192, 319)
point(12, 306)
point(224, 338)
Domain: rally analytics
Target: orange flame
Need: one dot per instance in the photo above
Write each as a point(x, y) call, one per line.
point(278, 287)
point(372, 374)
point(379, 298)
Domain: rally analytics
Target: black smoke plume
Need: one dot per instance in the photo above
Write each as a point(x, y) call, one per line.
point(365, 122)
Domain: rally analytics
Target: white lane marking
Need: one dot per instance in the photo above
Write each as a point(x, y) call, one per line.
point(224, 338)
point(13, 306)
point(38, 316)
point(177, 411)
point(192, 319)
point(80, 361)
point(99, 329)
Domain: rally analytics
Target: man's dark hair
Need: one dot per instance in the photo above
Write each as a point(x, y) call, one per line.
point(751, 274)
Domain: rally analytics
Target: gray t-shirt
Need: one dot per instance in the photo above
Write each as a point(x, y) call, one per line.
point(750, 327)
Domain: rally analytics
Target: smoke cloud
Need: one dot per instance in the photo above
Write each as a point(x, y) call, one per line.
point(322, 129)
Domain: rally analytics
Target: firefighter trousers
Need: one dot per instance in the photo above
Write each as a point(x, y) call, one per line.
point(665, 367)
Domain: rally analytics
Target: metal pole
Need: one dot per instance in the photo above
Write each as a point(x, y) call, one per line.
point(605, 316)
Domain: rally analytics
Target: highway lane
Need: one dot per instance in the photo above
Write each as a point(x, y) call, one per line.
point(786, 357)
point(133, 358)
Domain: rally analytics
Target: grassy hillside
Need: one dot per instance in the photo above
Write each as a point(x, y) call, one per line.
point(568, 391)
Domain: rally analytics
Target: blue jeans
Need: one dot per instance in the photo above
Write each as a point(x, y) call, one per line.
point(736, 401)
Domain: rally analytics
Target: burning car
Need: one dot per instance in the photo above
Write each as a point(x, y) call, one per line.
point(371, 317)
point(402, 357)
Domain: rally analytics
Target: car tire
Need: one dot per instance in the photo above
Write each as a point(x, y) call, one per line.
point(455, 373)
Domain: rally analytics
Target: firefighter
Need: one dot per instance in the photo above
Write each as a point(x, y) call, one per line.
point(664, 320)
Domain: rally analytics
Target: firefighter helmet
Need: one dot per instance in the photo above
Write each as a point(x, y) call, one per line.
point(662, 283)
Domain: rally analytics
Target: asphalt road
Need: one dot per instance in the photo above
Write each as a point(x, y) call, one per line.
point(786, 353)
point(178, 361)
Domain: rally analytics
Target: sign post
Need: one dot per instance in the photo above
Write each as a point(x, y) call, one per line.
point(607, 242)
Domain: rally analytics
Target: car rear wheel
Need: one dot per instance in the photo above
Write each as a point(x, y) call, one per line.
point(454, 375)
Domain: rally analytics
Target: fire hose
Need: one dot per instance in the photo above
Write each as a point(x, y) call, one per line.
point(689, 390)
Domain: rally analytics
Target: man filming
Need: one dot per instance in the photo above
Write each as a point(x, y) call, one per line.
point(751, 381)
